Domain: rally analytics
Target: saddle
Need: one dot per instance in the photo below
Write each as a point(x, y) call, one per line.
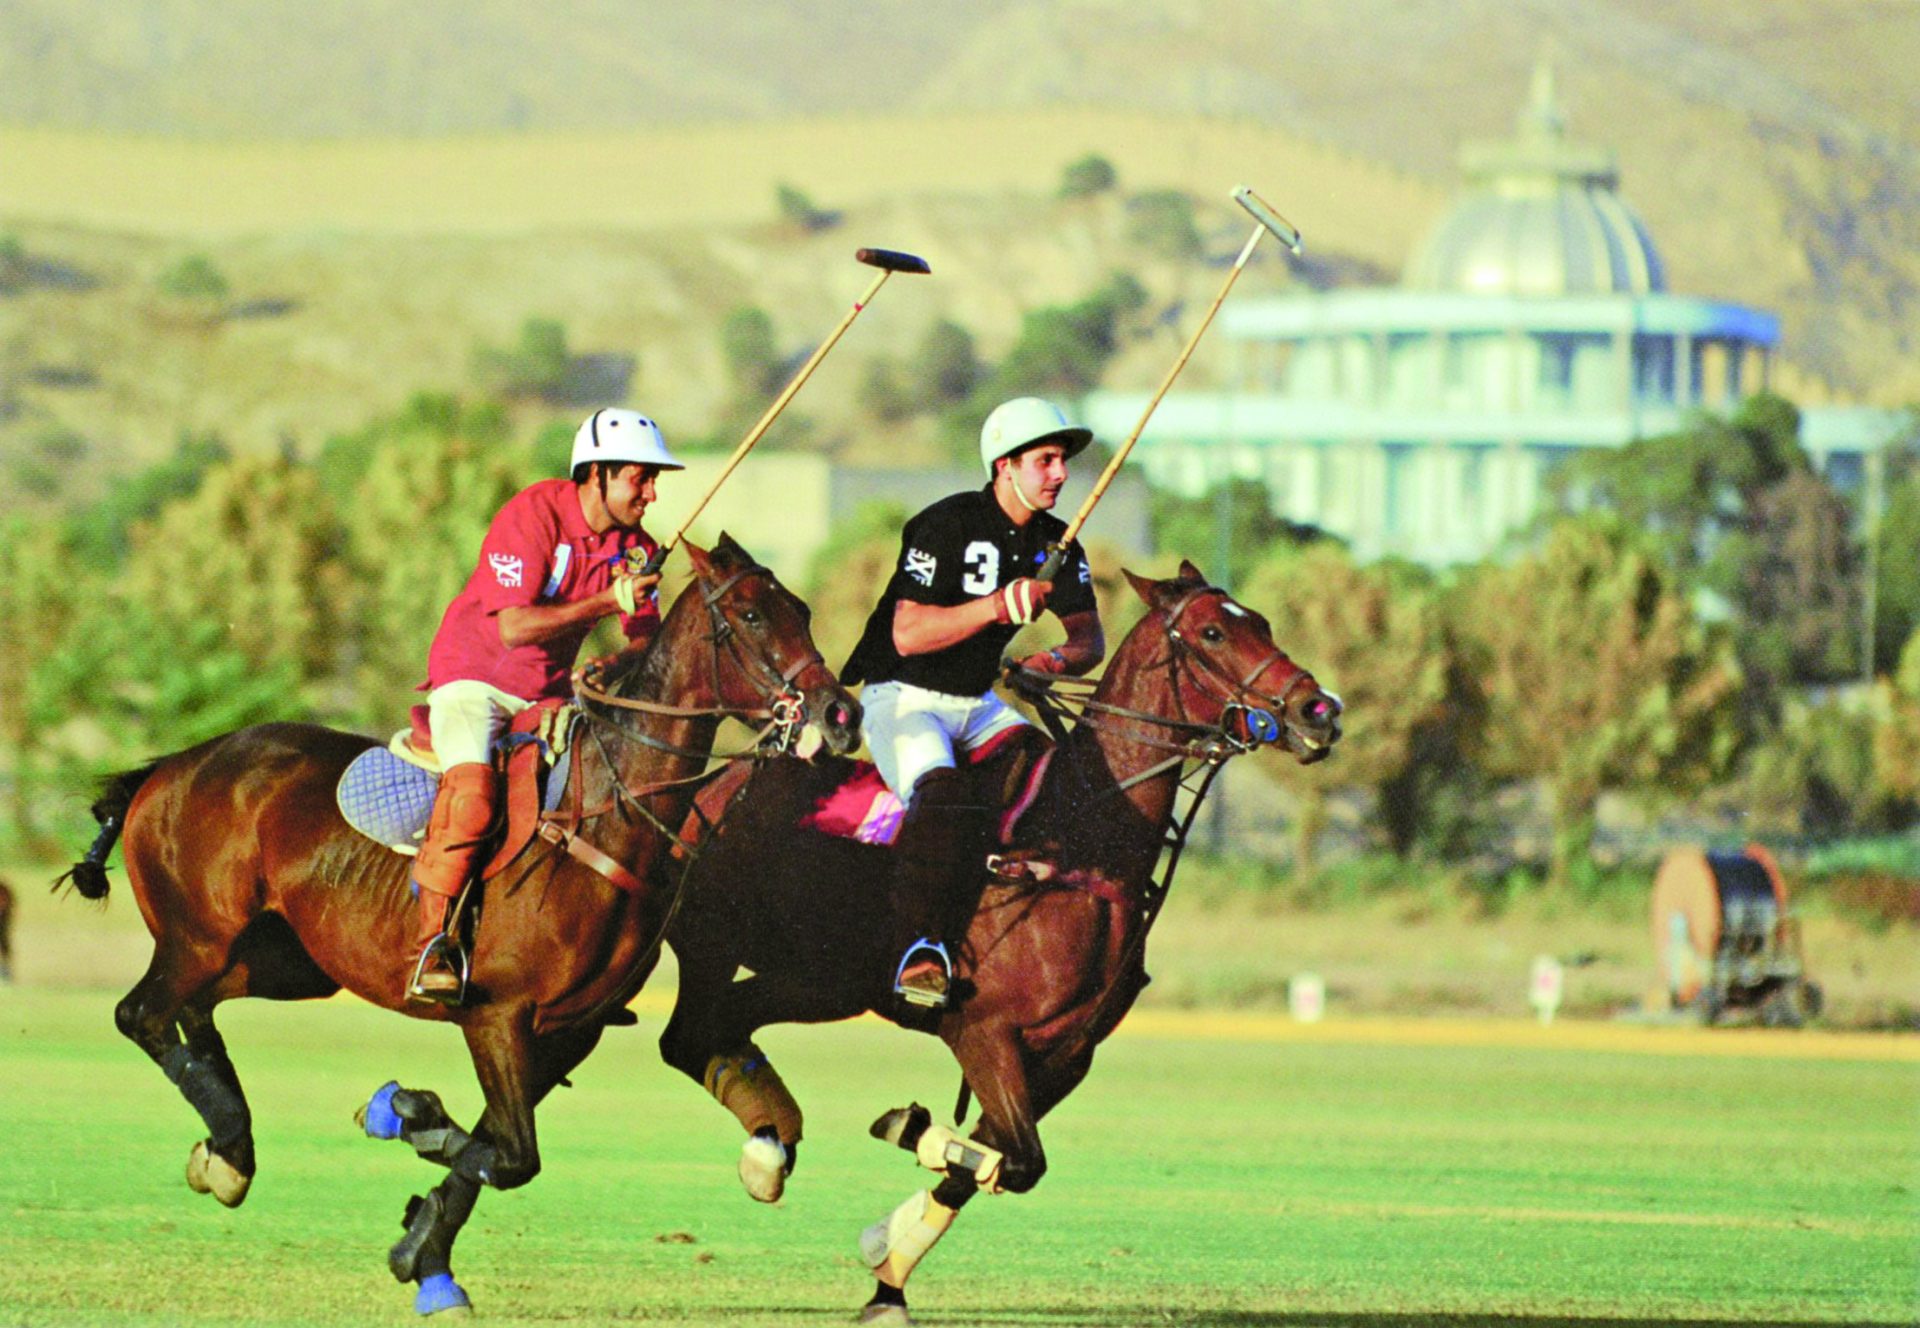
point(387, 793)
point(862, 808)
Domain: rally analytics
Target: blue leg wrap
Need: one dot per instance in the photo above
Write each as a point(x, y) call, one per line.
point(439, 1292)
point(381, 1120)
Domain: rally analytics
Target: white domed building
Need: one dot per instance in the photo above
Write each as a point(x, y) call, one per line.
point(1421, 420)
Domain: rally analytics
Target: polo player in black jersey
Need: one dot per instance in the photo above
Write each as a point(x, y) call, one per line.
point(963, 588)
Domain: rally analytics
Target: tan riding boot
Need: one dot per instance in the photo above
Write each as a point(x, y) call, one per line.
point(463, 814)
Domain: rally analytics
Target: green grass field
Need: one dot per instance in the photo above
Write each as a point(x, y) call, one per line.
point(1207, 1174)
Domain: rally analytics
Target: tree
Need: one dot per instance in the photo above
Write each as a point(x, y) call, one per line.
point(1087, 176)
point(798, 209)
point(1162, 223)
point(39, 590)
point(1375, 636)
point(1193, 527)
point(255, 552)
point(413, 530)
point(103, 530)
point(1593, 674)
point(538, 365)
point(949, 364)
point(1895, 532)
point(1735, 507)
point(195, 278)
point(847, 575)
point(1800, 585)
point(1896, 738)
point(751, 353)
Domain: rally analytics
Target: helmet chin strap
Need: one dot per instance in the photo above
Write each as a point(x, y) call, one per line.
point(1013, 477)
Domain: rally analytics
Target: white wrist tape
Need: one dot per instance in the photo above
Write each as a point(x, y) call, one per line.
point(1019, 600)
point(623, 594)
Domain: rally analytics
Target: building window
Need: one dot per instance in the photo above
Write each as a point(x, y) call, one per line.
point(1555, 386)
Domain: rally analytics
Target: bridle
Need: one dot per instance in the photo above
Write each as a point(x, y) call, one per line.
point(782, 708)
point(1249, 718)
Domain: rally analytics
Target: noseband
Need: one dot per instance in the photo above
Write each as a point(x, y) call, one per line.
point(1262, 713)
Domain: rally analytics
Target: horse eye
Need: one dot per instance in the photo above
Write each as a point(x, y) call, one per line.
point(751, 617)
point(1212, 635)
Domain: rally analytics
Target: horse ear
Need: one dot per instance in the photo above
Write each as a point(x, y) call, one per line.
point(1142, 586)
point(1188, 572)
point(730, 554)
point(701, 560)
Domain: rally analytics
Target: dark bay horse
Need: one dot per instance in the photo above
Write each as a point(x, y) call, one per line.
point(1052, 959)
point(253, 885)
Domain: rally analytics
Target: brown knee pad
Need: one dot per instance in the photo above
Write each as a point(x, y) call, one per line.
point(463, 814)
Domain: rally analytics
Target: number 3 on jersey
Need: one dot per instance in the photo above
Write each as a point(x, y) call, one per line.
point(983, 568)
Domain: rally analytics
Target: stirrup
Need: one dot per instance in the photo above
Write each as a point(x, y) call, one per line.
point(932, 993)
point(446, 950)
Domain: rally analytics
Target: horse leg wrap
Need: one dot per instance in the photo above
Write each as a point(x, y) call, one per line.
point(894, 1245)
point(937, 1147)
point(431, 1221)
point(425, 1124)
point(229, 1124)
point(747, 1085)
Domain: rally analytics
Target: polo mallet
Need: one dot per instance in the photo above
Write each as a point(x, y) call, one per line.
point(889, 261)
point(1282, 230)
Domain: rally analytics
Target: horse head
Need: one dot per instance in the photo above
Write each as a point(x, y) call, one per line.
point(1227, 671)
point(752, 639)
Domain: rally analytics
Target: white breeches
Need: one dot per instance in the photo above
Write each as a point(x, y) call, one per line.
point(911, 730)
point(466, 717)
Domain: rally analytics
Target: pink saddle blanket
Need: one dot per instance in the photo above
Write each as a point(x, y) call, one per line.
point(863, 808)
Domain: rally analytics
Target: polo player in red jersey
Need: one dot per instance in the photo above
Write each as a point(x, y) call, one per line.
point(560, 556)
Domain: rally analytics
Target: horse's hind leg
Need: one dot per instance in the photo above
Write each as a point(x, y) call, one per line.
point(152, 1016)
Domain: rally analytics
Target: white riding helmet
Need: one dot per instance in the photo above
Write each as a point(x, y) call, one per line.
point(1021, 423)
point(619, 436)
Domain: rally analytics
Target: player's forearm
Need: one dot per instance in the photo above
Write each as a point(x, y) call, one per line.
point(530, 624)
point(922, 629)
point(1086, 644)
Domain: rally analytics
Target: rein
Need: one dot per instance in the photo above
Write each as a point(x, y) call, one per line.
point(1060, 700)
point(782, 708)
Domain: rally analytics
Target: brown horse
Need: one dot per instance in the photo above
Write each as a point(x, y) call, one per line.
point(1053, 955)
point(253, 885)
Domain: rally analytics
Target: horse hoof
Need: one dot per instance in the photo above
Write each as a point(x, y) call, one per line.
point(378, 1118)
point(886, 1314)
point(209, 1173)
point(441, 1295)
point(763, 1168)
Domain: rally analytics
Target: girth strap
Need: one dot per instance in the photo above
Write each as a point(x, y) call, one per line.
point(593, 858)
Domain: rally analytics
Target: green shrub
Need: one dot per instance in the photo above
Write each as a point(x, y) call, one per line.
point(1090, 175)
point(194, 278)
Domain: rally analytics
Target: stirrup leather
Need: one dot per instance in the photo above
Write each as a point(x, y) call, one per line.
point(920, 951)
point(447, 948)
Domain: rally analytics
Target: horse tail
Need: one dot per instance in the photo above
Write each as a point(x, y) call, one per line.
point(89, 875)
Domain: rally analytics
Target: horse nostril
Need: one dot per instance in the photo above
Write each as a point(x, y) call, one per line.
point(840, 717)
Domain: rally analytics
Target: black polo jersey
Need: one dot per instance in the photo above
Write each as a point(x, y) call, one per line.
point(960, 549)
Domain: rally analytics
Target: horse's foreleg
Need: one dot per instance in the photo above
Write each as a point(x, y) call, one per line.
point(995, 1063)
point(433, 1221)
point(151, 1016)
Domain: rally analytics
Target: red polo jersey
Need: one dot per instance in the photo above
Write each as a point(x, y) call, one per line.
point(539, 550)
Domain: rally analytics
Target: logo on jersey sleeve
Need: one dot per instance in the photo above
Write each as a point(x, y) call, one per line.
point(507, 569)
point(920, 565)
point(1086, 573)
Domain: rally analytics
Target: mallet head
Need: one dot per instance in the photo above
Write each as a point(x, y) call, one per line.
point(892, 260)
point(1263, 212)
